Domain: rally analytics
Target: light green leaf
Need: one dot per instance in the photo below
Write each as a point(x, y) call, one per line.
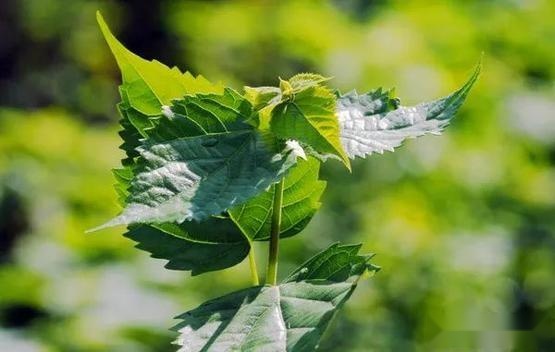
point(265, 99)
point(151, 84)
point(369, 124)
point(301, 195)
point(290, 317)
point(302, 81)
point(309, 117)
point(260, 97)
point(123, 177)
point(213, 244)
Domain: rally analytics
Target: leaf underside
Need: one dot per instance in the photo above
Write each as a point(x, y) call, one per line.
point(301, 194)
point(211, 245)
point(370, 123)
point(217, 243)
point(290, 317)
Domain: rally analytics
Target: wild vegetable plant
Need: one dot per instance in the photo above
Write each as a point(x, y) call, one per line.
point(209, 170)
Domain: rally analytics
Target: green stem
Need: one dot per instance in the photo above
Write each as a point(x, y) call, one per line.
point(254, 270)
point(271, 277)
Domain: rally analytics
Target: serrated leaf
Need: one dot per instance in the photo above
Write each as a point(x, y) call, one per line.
point(224, 163)
point(202, 114)
point(301, 195)
point(369, 124)
point(213, 244)
point(290, 317)
point(146, 87)
point(309, 117)
point(336, 263)
point(151, 84)
point(133, 124)
point(131, 137)
point(260, 97)
point(263, 100)
point(302, 81)
point(193, 178)
point(218, 113)
point(123, 177)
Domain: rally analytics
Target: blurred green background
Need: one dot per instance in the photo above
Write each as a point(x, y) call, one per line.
point(463, 224)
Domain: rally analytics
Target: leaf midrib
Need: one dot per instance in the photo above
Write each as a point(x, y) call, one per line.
point(189, 238)
point(296, 106)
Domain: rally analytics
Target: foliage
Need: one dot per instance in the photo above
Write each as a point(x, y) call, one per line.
point(208, 171)
point(463, 224)
point(373, 122)
point(289, 317)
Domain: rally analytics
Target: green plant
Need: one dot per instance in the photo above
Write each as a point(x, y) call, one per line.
point(209, 170)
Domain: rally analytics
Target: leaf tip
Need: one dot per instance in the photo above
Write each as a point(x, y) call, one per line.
point(115, 46)
point(346, 161)
point(476, 73)
point(101, 22)
point(94, 229)
point(114, 222)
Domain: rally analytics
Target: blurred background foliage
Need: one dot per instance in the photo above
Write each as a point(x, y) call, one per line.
point(464, 224)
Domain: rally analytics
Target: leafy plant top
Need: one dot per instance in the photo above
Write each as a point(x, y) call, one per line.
point(209, 170)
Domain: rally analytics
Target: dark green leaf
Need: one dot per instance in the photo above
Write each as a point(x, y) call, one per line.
point(202, 114)
point(213, 244)
point(336, 263)
point(196, 177)
point(147, 86)
point(290, 317)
